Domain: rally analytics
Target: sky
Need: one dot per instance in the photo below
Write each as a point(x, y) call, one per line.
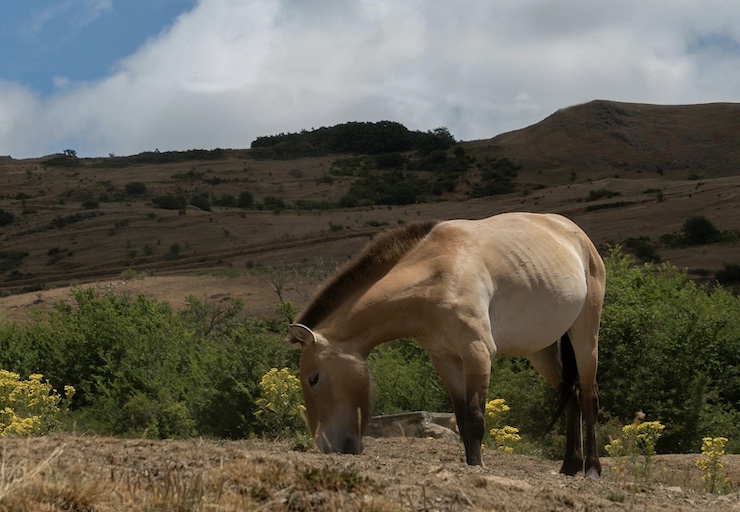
point(121, 77)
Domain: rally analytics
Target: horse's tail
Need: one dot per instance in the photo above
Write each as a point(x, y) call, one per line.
point(570, 378)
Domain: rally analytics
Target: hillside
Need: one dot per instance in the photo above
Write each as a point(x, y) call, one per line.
point(622, 171)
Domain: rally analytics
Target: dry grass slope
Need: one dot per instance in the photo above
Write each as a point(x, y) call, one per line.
point(67, 473)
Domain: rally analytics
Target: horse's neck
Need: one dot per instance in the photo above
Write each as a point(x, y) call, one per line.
point(377, 315)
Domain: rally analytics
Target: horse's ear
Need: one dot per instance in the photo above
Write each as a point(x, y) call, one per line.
point(302, 333)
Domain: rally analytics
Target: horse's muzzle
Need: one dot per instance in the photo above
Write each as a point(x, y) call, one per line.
point(340, 444)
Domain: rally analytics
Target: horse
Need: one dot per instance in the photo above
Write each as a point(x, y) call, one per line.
point(514, 284)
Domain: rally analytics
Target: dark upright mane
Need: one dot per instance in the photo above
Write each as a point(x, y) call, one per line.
point(381, 253)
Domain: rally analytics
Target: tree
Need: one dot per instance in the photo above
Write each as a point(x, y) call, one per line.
point(246, 199)
point(698, 230)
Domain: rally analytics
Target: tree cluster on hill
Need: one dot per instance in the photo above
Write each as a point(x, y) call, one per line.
point(365, 138)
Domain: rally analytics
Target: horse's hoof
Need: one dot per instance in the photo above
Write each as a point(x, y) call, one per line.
point(592, 474)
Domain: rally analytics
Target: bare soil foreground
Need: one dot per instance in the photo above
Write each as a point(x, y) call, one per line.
point(67, 473)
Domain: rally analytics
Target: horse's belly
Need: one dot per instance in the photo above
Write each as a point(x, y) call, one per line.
point(522, 325)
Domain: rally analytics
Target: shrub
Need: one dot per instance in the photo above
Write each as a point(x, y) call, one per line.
point(497, 175)
point(729, 274)
point(390, 161)
point(170, 202)
point(273, 203)
point(602, 193)
point(246, 199)
point(91, 204)
point(201, 200)
point(6, 217)
point(10, 260)
point(654, 314)
point(642, 249)
point(698, 230)
point(135, 188)
point(227, 200)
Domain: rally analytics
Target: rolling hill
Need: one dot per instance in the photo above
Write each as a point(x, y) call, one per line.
point(628, 173)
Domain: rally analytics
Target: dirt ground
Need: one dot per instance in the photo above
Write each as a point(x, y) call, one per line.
point(104, 474)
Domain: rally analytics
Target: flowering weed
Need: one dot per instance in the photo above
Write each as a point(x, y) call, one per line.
point(712, 450)
point(280, 408)
point(635, 447)
point(504, 438)
point(29, 407)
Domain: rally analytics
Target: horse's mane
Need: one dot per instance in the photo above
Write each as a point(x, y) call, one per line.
point(375, 259)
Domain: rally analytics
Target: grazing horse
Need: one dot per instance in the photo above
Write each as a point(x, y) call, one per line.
point(467, 291)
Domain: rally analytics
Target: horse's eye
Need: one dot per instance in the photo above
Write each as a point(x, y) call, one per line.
point(313, 380)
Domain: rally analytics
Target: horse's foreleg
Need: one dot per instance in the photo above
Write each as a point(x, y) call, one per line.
point(477, 369)
point(476, 389)
point(468, 392)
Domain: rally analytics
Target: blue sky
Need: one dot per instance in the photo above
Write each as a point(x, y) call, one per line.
point(126, 76)
point(45, 43)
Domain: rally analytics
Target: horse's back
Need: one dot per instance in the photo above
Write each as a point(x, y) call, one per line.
point(528, 274)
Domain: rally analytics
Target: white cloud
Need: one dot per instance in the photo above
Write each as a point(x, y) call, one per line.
point(75, 14)
point(231, 70)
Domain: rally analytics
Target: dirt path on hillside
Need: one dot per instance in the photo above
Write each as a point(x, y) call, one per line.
point(105, 474)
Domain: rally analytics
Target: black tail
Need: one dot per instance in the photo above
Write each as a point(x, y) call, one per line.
point(570, 378)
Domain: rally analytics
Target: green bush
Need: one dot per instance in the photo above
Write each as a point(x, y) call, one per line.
point(602, 193)
point(246, 199)
point(170, 202)
point(140, 369)
point(497, 176)
point(91, 204)
point(6, 217)
point(729, 274)
point(135, 188)
point(201, 200)
point(698, 230)
point(405, 380)
point(273, 203)
point(669, 347)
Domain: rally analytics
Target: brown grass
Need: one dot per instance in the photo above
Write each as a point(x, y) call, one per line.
point(70, 473)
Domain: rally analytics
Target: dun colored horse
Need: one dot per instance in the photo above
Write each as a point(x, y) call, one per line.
point(467, 291)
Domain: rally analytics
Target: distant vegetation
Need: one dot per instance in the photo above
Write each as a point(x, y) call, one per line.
point(6, 217)
point(602, 193)
point(392, 164)
point(162, 157)
point(361, 138)
point(136, 188)
point(697, 230)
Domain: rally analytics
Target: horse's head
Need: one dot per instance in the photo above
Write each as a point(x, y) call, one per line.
point(336, 388)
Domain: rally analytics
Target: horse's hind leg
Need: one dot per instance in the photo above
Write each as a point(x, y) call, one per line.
point(584, 339)
point(548, 363)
